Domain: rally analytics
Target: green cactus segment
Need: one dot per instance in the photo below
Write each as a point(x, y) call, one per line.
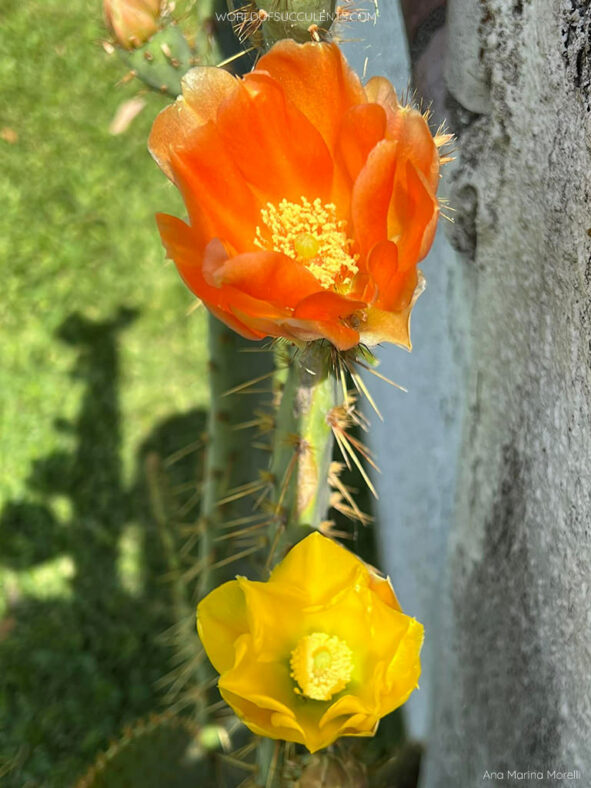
point(163, 751)
point(162, 61)
point(269, 763)
point(302, 447)
point(202, 552)
point(232, 463)
point(296, 19)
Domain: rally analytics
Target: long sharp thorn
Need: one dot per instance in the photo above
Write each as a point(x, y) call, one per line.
point(248, 384)
point(285, 481)
point(236, 557)
point(178, 455)
point(382, 377)
point(360, 467)
point(344, 385)
point(241, 521)
point(242, 492)
point(231, 59)
point(246, 425)
point(363, 389)
point(338, 438)
point(193, 500)
point(235, 534)
point(237, 763)
point(273, 548)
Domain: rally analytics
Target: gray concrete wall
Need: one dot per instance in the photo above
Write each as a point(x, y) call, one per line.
point(512, 680)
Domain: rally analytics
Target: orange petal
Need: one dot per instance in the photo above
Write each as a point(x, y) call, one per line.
point(395, 287)
point(408, 127)
point(269, 276)
point(416, 143)
point(381, 91)
point(381, 326)
point(412, 215)
point(318, 80)
point(383, 268)
point(341, 336)
point(182, 246)
point(326, 305)
point(203, 89)
point(363, 126)
point(239, 326)
point(273, 144)
point(265, 326)
point(214, 190)
point(372, 193)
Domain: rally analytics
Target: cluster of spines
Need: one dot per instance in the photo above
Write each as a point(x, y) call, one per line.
point(251, 20)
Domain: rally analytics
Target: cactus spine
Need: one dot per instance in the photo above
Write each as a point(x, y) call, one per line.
point(301, 20)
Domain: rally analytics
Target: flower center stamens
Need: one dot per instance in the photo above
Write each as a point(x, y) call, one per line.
point(310, 233)
point(321, 665)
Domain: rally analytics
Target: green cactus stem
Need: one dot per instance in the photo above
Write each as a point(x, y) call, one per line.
point(303, 447)
point(232, 463)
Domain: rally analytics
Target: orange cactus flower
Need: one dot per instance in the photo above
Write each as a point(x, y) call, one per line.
point(311, 198)
point(321, 650)
point(132, 22)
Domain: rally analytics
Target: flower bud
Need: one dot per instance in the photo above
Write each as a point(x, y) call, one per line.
point(132, 22)
point(328, 771)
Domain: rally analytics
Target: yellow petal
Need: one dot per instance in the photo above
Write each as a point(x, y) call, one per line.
point(320, 568)
point(250, 630)
point(403, 672)
point(274, 614)
point(383, 588)
point(221, 620)
point(347, 706)
point(262, 695)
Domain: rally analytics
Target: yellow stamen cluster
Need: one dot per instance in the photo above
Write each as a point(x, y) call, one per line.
point(322, 665)
point(310, 233)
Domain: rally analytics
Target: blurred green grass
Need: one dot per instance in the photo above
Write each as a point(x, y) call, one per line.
point(82, 387)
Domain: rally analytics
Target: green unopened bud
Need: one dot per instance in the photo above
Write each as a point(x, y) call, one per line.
point(132, 22)
point(328, 771)
point(302, 20)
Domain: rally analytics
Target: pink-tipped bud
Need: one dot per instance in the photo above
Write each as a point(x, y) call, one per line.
point(132, 22)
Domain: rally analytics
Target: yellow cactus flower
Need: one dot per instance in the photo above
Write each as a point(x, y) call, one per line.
point(321, 650)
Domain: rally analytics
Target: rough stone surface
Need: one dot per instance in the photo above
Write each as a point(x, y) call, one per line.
point(513, 690)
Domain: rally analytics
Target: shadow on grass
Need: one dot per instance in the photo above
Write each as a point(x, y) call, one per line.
point(75, 668)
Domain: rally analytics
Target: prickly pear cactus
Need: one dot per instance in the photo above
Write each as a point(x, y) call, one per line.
point(162, 61)
point(162, 751)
